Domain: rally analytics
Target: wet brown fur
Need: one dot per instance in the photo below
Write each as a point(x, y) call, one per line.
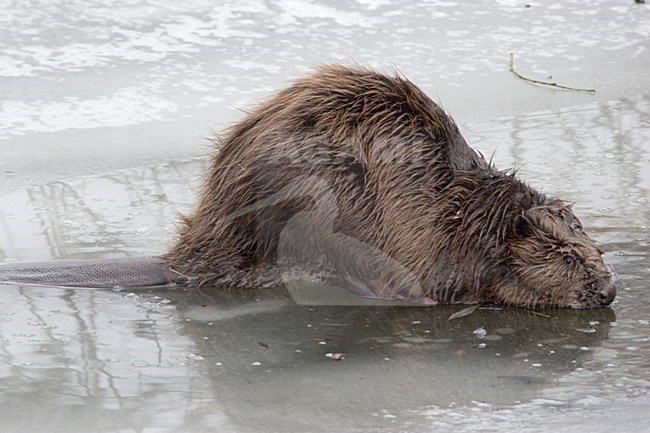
point(362, 173)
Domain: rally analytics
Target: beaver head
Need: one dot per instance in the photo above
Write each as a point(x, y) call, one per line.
point(554, 262)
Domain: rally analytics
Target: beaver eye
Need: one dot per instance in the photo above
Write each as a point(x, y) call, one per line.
point(568, 260)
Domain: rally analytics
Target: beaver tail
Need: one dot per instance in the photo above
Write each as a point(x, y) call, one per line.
point(98, 273)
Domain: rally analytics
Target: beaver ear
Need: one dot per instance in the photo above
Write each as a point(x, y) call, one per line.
point(522, 226)
point(528, 220)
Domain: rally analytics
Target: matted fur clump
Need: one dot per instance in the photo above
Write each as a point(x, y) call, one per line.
point(362, 174)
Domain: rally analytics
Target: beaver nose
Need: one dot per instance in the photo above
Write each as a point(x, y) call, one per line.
point(607, 295)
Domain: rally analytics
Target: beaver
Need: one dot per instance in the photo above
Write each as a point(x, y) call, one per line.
point(363, 176)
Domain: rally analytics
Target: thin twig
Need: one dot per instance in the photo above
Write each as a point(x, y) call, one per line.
point(546, 83)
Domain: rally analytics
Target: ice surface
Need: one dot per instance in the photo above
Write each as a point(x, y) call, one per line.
point(105, 108)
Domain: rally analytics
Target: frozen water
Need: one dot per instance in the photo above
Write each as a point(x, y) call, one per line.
point(105, 108)
point(93, 86)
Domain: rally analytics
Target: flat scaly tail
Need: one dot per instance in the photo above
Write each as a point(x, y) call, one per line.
point(100, 273)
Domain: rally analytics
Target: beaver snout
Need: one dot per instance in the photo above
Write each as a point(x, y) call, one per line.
point(607, 294)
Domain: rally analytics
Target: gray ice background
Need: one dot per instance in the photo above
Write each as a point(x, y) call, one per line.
point(106, 110)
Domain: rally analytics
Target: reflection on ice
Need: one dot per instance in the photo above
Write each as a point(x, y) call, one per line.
point(273, 363)
point(83, 356)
